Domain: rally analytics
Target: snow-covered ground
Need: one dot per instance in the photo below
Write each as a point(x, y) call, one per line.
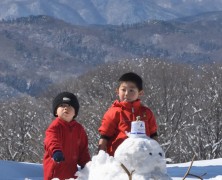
point(212, 168)
point(27, 171)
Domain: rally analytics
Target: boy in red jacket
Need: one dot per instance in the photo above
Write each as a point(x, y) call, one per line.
point(66, 142)
point(117, 120)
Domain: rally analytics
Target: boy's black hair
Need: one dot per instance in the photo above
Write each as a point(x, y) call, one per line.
point(132, 77)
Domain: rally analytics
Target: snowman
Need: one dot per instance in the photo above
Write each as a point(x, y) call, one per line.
point(137, 158)
point(142, 156)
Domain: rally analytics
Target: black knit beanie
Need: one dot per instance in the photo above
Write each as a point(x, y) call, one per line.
point(68, 98)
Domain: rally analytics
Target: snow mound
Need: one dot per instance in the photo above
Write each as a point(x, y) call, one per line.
point(140, 158)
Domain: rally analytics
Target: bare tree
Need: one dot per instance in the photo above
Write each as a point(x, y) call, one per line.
point(22, 130)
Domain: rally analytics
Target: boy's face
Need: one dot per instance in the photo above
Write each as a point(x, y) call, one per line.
point(128, 92)
point(65, 112)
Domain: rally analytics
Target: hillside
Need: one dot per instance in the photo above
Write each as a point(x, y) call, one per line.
point(38, 51)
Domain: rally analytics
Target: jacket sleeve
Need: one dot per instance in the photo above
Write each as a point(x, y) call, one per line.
point(84, 156)
point(109, 124)
point(152, 123)
point(51, 142)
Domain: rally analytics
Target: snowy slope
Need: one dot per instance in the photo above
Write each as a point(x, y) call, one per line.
point(11, 170)
point(19, 171)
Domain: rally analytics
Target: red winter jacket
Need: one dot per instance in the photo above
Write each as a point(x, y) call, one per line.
point(117, 120)
point(71, 139)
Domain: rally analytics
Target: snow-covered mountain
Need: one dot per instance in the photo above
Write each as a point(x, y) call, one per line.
point(41, 43)
point(107, 11)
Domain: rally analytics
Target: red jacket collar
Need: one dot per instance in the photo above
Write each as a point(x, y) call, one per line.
point(71, 123)
point(127, 105)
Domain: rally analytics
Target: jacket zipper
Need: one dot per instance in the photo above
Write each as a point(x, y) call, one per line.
point(133, 112)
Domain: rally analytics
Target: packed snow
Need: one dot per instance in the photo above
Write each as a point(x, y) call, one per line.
point(141, 158)
point(144, 159)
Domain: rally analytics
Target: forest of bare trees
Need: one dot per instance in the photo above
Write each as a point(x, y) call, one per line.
point(186, 100)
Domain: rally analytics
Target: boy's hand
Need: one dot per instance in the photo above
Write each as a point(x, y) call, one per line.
point(58, 156)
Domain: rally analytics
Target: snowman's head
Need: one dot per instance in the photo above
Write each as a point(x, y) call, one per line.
point(144, 155)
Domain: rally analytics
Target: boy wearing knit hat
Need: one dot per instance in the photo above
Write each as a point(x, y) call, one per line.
point(66, 142)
